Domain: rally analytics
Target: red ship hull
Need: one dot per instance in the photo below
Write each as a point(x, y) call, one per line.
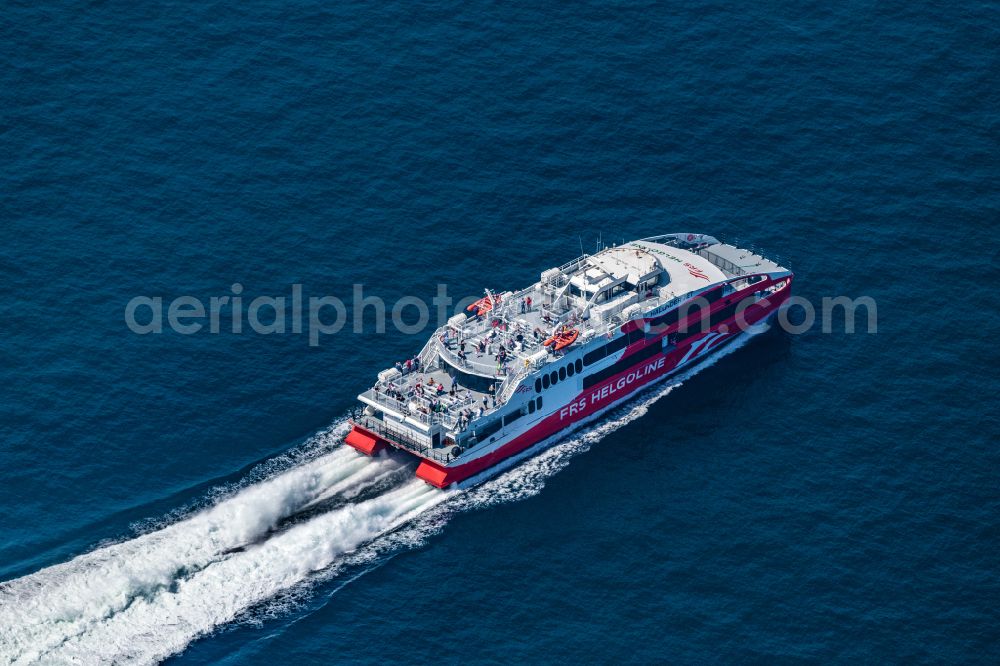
point(592, 400)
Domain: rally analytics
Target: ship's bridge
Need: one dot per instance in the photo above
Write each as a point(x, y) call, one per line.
point(613, 271)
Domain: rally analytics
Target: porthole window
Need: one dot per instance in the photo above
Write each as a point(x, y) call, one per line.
point(579, 365)
point(538, 386)
point(562, 374)
point(553, 377)
point(538, 401)
point(531, 407)
point(545, 381)
point(570, 369)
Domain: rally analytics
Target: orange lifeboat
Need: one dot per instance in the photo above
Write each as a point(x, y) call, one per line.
point(484, 305)
point(564, 337)
point(567, 338)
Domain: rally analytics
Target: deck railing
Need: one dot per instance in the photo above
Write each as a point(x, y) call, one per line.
point(453, 405)
point(404, 441)
point(478, 367)
point(401, 406)
point(773, 257)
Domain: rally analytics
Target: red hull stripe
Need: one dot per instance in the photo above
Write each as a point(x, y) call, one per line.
point(365, 442)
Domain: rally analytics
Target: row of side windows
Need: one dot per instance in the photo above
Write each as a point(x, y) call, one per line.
point(556, 376)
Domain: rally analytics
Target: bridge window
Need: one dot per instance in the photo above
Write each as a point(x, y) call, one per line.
point(545, 381)
point(562, 374)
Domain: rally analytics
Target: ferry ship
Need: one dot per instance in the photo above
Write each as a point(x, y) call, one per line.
point(519, 367)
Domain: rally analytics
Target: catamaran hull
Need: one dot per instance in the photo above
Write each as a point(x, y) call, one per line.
point(585, 405)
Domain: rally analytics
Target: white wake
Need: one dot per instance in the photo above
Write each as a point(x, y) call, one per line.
point(146, 598)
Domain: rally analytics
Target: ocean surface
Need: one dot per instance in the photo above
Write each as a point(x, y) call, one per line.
point(816, 497)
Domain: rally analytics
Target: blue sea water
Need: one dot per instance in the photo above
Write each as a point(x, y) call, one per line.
point(821, 497)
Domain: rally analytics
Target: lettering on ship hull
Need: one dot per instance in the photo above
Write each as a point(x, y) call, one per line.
point(609, 390)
